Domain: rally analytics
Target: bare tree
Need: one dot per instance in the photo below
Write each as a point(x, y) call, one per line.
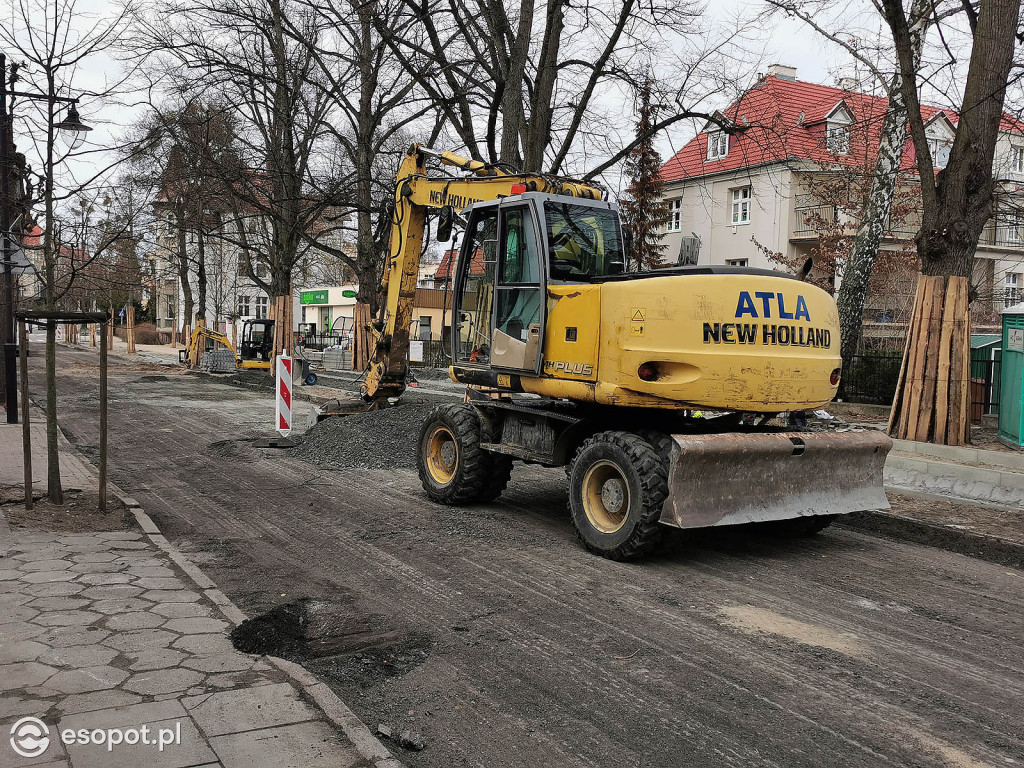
point(374, 103)
point(53, 52)
point(527, 85)
point(957, 202)
point(242, 50)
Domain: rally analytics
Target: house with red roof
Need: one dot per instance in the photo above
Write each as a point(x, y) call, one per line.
point(737, 195)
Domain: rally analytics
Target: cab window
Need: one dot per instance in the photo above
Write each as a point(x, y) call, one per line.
point(476, 292)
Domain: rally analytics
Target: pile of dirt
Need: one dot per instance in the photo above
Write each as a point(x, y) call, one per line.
point(384, 439)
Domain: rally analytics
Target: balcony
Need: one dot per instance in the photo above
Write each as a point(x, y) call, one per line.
point(815, 220)
point(812, 220)
point(1002, 235)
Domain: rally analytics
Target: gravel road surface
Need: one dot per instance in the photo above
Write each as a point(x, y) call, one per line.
point(489, 631)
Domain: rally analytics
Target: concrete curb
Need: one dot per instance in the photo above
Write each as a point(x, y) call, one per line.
point(961, 454)
point(965, 481)
point(991, 549)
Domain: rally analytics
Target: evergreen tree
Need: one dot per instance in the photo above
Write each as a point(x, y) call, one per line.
point(643, 209)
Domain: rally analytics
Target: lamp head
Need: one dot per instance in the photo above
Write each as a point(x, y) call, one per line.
point(75, 128)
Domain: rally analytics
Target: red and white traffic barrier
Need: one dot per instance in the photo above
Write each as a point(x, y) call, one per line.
point(284, 395)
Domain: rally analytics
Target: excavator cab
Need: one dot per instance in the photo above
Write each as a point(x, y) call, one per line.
point(257, 341)
point(512, 250)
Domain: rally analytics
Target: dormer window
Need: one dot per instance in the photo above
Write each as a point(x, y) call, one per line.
point(838, 139)
point(718, 145)
point(837, 129)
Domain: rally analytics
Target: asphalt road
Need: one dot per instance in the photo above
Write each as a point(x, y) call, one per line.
point(493, 634)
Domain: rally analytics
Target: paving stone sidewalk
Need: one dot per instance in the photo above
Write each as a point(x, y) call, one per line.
point(103, 631)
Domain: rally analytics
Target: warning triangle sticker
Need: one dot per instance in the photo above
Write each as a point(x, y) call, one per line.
point(639, 316)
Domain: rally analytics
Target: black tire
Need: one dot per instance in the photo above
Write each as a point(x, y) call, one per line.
point(799, 527)
point(617, 486)
point(453, 468)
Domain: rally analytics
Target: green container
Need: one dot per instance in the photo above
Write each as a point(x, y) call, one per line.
point(1011, 407)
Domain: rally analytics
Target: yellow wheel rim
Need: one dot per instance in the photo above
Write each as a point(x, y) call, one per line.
point(605, 496)
point(442, 455)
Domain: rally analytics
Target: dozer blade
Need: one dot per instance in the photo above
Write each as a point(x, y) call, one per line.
point(726, 479)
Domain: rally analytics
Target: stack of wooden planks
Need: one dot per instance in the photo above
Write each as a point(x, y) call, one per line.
point(932, 397)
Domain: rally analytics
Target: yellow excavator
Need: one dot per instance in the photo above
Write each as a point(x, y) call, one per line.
point(254, 350)
point(654, 388)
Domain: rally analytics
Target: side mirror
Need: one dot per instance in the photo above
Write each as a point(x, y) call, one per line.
point(445, 221)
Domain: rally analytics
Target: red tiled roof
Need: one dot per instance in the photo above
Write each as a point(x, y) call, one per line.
point(782, 119)
point(444, 269)
point(33, 239)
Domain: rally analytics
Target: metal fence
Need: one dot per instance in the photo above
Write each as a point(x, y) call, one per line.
point(873, 378)
point(436, 354)
point(322, 341)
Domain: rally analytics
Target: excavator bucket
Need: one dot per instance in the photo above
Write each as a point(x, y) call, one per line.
point(727, 479)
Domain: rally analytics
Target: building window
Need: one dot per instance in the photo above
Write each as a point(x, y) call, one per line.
point(735, 262)
point(1017, 159)
point(262, 307)
point(838, 140)
point(261, 269)
point(1014, 221)
point(243, 306)
point(675, 216)
point(1011, 291)
point(718, 145)
point(424, 334)
point(741, 205)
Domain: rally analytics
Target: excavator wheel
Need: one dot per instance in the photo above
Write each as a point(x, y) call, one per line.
point(453, 468)
point(617, 486)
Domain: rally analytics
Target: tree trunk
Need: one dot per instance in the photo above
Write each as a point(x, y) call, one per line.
point(201, 280)
point(513, 117)
point(53, 485)
point(538, 135)
point(183, 274)
point(50, 250)
point(932, 398)
point(368, 288)
point(853, 289)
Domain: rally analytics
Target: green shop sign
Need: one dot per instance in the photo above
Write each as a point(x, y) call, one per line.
point(313, 297)
point(348, 294)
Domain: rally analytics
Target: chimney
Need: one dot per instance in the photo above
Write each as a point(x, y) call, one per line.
point(782, 71)
point(849, 84)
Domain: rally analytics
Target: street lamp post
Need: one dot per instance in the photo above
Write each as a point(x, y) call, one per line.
point(72, 122)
